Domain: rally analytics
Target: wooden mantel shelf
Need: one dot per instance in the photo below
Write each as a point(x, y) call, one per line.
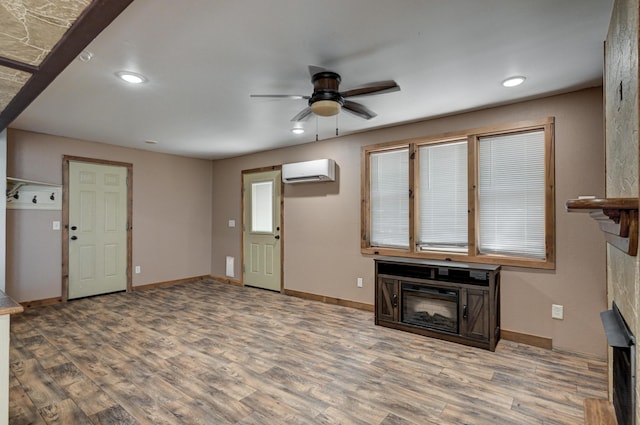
point(617, 217)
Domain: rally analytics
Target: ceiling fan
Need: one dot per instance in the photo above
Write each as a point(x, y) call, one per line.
point(327, 100)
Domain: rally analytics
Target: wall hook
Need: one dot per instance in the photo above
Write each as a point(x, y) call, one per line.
point(53, 196)
point(35, 199)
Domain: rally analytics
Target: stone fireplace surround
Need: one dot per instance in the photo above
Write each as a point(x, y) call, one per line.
point(622, 159)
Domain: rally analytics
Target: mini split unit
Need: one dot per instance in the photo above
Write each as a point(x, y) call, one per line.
point(318, 170)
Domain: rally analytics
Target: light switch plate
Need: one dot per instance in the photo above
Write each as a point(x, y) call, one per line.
point(232, 223)
point(56, 225)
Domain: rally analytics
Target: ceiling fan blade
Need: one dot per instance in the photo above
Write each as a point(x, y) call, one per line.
point(358, 109)
point(302, 115)
point(313, 70)
point(281, 96)
point(373, 88)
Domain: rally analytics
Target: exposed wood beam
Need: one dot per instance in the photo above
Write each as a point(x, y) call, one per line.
point(95, 18)
point(20, 66)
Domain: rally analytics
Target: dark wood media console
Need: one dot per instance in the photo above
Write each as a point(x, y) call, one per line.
point(457, 302)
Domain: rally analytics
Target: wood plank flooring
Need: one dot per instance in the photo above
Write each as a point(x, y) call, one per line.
point(212, 353)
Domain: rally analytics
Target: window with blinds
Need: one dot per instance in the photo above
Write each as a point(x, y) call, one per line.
point(511, 193)
point(482, 195)
point(443, 201)
point(390, 198)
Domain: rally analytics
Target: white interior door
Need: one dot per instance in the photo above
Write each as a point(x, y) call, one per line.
point(97, 229)
point(261, 231)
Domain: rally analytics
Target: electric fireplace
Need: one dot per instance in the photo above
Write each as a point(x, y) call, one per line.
point(442, 299)
point(623, 343)
point(430, 306)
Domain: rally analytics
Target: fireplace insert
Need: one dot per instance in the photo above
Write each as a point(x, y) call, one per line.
point(623, 342)
point(431, 307)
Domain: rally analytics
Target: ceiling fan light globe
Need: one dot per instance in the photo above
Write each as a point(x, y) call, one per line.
point(326, 108)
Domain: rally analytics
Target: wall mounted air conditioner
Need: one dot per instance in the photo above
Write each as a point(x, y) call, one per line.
point(318, 170)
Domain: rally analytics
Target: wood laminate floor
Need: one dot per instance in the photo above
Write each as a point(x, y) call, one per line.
point(212, 353)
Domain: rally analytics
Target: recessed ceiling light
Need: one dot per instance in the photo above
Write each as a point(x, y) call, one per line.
point(131, 77)
point(513, 81)
point(85, 56)
point(297, 130)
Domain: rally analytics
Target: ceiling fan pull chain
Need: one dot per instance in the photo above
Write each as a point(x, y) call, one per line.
point(336, 125)
point(316, 128)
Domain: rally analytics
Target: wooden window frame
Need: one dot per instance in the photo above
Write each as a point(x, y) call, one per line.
point(472, 136)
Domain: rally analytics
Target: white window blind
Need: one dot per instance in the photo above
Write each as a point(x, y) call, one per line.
point(512, 194)
point(443, 197)
point(389, 199)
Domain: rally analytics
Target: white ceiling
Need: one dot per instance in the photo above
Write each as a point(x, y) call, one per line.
point(204, 58)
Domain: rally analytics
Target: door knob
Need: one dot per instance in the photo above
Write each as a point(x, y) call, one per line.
point(277, 236)
point(73, 238)
point(74, 227)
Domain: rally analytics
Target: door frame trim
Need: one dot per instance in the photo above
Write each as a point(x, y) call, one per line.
point(282, 232)
point(65, 216)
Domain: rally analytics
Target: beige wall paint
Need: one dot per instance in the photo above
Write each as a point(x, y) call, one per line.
point(622, 152)
point(322, 220)
point(171, 214)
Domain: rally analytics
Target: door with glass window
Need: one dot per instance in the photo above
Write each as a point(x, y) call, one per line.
point(262, 236)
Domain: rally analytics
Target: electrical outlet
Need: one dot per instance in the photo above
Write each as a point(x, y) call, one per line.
point(137, 269)
point(359, 282)
point(557, 311)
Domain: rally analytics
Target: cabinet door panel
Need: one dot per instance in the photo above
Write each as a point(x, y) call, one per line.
point(476, 316)
point(388, 299)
